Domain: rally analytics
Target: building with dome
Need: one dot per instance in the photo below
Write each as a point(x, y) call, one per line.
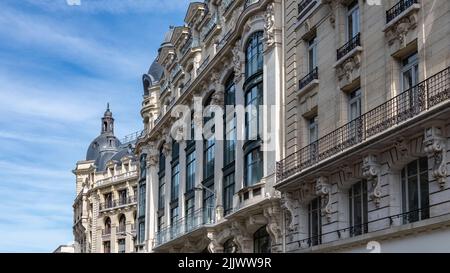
point(106, 187)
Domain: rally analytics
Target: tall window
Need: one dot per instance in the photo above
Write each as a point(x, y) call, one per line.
point(353, 20)
point(314, 222)
point(121, 244)
point(253, 115)
point(261, 241)
point(174, 220)
point(107, 247)
point(142, 199)
point(123, 197)
point(190, 169)
point(313, 126)
point(354, 104)
point(415, 191)
point(143, 166)
point(141, 232)
point(108, 226)
point(208, 204)
point(175, 171)
point(108, 200)
point(410, 72)
point(189, 212)
point(162, 180)
point(358, 208)
point(122, 223)
point(229, 146)
point(208, 147)
point(312, 53)
point(254, 54)
point(253, 167)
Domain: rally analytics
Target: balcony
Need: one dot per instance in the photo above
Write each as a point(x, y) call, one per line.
point(398, 9)
point(199, 218)
point(210, 26)
point(400, 109)
point(117, 178)
point(113, 204)
point(348, 47)
point(309, 80)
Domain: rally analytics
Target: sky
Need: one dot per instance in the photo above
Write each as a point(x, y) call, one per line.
point(59, 66)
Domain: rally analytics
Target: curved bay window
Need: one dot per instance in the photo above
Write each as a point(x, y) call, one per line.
point(229, 145)
point(253, 87)
point(261, 241)
point(415, 191)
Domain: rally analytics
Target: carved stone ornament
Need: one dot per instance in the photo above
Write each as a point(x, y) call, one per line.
point(399, 31)
point(153, 156)
point(323, 189)
point(435, 147)
point(167, 147)
point(237, 62)
point(273, 216)
point(269, 24)
point(290, 202)
point(371, 171)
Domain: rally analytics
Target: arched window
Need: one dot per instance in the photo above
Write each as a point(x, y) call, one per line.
point(415, 191)
point(261, 241)
point(108, 225)
point(254, 54)
point(229, 246)
point(122, 223)
point(229, 145)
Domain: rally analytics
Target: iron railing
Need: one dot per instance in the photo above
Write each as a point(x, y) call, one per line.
point(352, 44)
point(313, 75)
point(133, 137)
point(411, 216)
point(210, 26)
point(110, 204)
point(400, 108)
point(398, 8)
point(192, 221)
point(116, 178)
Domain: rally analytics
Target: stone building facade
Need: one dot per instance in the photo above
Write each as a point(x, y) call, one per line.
point(367, 132)
point(106, 186)
point(204, 193)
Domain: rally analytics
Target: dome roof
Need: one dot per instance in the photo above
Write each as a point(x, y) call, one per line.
point(154, 73)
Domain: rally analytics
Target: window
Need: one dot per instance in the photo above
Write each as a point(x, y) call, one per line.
point(228, 193)
point(352, 20)
point(253, 99)
point(254, 54)
point(314, 222)
point(107, 247)
point(208, 204)
point(313, 125)
point(354, 104)
point(122, 197)
point(175, 184)
point(161, 180)
point(261, 241)
point(410, 72)
point(189, 212)
point(312, 54)
point(142, 191)
point(174, 221)
point(230, 122)
point(108, 200)
point(191, 140)
point(229, 246)
point(141, 232)
point(135, 191)
point(253, 167)
point(415, 191)
point(208, 171)
point(358, 208)
point(143, 166)
point(107, 226)
point(121, 243)
point(160, 222)
point(190, 169)
point(122, 223)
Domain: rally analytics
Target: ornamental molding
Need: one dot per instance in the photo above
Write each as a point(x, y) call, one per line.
point(436, 148)
point(398, 31)
point(237, 63)
point(349, 70)
point(273, 216)
point(323, 190)
point(269, 25)
point(371, 172)
point(290, 202)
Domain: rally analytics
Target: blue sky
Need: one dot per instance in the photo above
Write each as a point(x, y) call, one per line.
point(59, 66)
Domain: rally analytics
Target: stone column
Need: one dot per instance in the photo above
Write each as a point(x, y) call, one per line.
point(151, 197)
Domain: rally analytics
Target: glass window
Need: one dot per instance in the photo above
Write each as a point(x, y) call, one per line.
point(410, 72)
point(189, 211)
point(190, 169)
point(312, 54)
point(314, 222)
point(174, 221)
point(141, 232)
point(415, 191)
point(175, 182)
point(230, 123)
point(253, 167)
point(354, 104)
point(208, 204)
point(143, 166)
point(313, 129)
point(254, 54)
point(261, 241)
point(123, 197)
point(358, 208)
point(352, 20)
point(209, 157)
point(141, 199)
point(108, 200)
point(121, 243)
point(162, 179)
point(253, 99)
point(107, 247)
point(108, 226)
point(228, 193)
point(122, 223)
point(160, 222)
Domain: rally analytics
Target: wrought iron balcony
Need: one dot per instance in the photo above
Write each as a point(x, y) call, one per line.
point(116, 178)
point(313, 75)
point(352, 44)
point(112, 204)
point(397, 110)
point(193, 221)
point(398, 8)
